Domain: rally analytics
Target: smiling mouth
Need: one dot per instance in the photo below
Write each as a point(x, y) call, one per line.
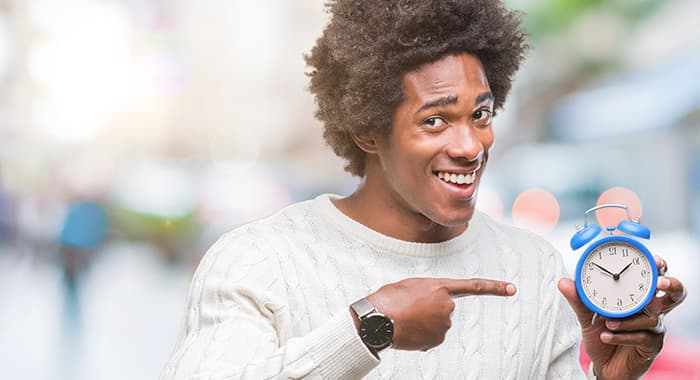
point(459, 179)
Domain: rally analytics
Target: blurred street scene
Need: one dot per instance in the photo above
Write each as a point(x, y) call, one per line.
point(134, 133)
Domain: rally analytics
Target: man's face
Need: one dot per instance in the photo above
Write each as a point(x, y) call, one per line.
point(434, 157)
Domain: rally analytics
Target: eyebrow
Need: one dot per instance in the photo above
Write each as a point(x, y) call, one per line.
point(483, 97)
point(451, 99)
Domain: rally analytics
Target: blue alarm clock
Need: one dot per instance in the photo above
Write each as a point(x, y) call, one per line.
point(616, 275)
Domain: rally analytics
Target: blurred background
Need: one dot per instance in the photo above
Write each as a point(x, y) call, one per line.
point(134, 132)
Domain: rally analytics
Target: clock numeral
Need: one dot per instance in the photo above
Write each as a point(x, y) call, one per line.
point(588, 280)
point(644, 272)
point(595, 292)
point(619, 302)
point(590, 266)
point(632, 296)
point(641, 287)
point(625, 252)
point(600, 255)
point(612, 251)
point(635, 261)
point(604, 301)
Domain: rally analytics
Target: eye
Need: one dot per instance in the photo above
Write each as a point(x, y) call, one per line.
point(435, 122)
point(483, 117)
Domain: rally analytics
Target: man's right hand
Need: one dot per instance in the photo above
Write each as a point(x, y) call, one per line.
point(421, 308)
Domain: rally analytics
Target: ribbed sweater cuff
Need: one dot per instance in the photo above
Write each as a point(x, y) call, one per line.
point(338, 351)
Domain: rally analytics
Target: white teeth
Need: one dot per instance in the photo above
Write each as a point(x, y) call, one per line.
point(457, 178)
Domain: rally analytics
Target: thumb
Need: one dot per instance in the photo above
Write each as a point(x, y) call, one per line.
point(568, 289)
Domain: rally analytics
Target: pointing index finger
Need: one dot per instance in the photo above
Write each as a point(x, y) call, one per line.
point(478, 286)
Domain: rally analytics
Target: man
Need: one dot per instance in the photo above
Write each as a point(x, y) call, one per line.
point(403, 279)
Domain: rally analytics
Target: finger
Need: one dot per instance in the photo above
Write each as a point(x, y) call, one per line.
point(661, 265)
point(568, 289)
point(477, 286)
point(652, 324)
point(675, 292)
point(651, 342)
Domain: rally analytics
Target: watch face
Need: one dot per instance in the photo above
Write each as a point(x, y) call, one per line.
point(617, 277)
point(376, 331)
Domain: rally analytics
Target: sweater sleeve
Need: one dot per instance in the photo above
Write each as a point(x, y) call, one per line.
point(237, 324)
point(564, 358)
point(566, 338)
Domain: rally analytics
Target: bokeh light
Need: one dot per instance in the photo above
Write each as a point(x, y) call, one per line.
point(536, 210)
point(81, 92)
point(617, 195)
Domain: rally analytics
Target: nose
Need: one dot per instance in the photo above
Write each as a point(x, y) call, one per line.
point(465, 144)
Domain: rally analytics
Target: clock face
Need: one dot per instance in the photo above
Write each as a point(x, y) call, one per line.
point(617, 277)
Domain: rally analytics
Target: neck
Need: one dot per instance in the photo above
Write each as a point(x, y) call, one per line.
point(373, 206)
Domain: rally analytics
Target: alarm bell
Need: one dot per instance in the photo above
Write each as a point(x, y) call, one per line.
point(634, 229)
point(585, 234)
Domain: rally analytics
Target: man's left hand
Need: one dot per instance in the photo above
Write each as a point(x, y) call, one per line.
point(626, 348)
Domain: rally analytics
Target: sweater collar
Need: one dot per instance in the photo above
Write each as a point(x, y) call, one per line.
point(459, 243)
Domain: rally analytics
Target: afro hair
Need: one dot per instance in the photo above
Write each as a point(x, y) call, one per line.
point(358, 63)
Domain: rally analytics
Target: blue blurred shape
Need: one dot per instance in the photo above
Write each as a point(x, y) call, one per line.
point(85, 225)
point(656, 98)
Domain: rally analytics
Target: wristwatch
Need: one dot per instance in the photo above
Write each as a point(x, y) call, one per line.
point(376, 329)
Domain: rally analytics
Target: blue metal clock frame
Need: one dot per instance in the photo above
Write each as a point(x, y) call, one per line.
point(579, 287)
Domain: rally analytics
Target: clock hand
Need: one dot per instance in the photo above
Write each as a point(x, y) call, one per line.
point(377, 329)
point(613, 275)
point(624, 269)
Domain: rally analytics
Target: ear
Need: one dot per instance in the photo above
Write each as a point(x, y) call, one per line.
point(365, 142)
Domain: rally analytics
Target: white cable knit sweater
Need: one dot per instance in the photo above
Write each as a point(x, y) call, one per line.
point(270, 301)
